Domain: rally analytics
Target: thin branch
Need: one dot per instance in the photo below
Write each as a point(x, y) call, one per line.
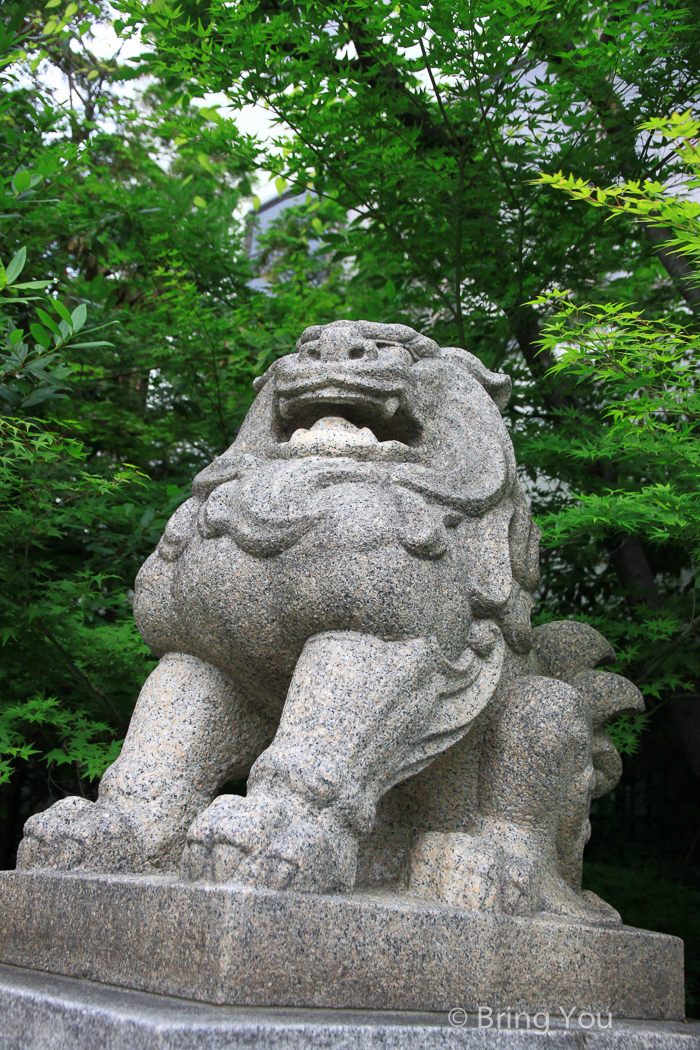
point(436, 92)
point(689, 631)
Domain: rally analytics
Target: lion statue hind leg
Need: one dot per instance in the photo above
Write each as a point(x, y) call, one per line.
point(543, 759)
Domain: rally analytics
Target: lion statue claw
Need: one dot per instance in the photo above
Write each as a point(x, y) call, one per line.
point(342, 616)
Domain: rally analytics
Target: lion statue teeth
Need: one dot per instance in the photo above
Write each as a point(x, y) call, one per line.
point(342, 616)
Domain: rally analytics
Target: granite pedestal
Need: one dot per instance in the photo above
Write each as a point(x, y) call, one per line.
point(381, 950)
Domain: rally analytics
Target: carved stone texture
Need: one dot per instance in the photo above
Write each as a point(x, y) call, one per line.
point(379, 950)
point(342, 615)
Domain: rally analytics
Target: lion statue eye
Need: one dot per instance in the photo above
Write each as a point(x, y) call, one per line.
point(395, 348)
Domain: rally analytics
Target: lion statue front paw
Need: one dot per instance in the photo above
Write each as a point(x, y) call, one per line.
point(78, 835)
point(266, 841)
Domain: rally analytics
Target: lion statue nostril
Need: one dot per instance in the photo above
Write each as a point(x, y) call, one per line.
point(356, 353)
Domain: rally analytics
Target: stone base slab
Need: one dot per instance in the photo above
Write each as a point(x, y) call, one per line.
point(368, 951)
point(39, 1011)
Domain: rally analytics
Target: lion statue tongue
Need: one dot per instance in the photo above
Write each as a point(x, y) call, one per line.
point(332, 433)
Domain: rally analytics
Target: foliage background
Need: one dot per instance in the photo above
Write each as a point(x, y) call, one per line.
point(510, 178)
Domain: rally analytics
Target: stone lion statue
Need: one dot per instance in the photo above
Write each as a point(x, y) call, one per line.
point(342, 615)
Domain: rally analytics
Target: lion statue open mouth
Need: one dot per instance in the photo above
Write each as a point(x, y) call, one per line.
point(342, 611)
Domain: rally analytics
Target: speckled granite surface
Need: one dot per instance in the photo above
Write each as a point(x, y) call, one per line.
point(42, 1012)
point(241, 945)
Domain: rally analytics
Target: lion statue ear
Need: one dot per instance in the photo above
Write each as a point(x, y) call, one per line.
point(260, 381)
point(496, 384)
